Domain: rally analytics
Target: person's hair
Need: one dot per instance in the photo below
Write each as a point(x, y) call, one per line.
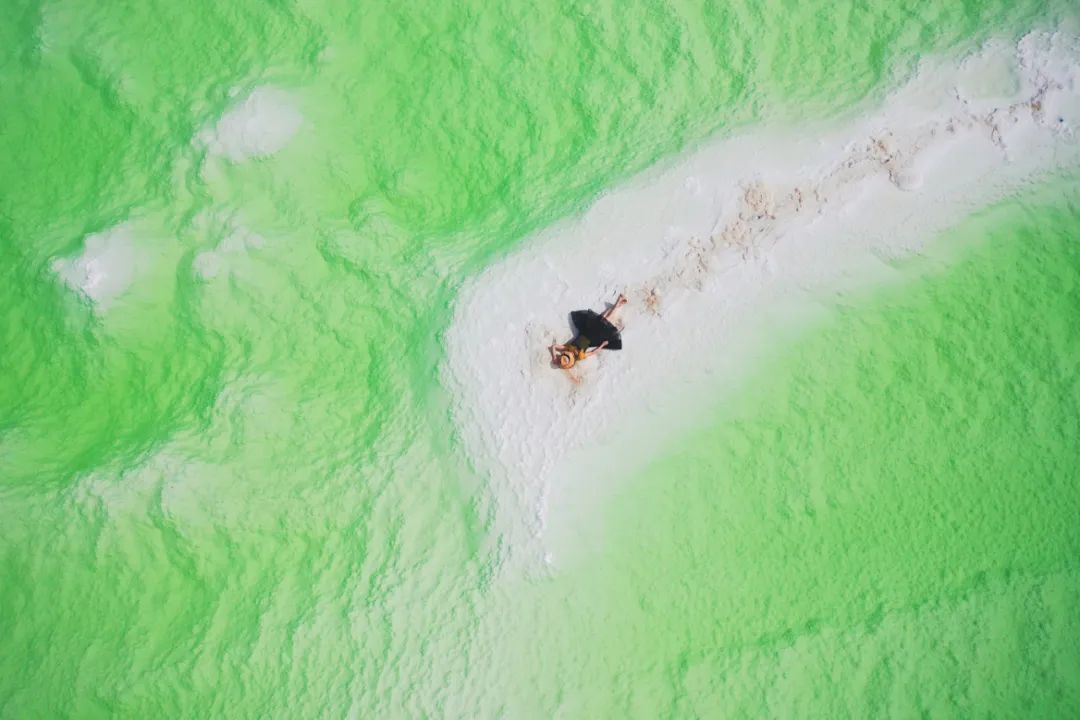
point(566, 359)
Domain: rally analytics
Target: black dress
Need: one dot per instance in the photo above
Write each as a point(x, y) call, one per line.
point(592, 330)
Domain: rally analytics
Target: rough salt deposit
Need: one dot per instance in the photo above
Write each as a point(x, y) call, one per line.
point(260, 125)
point(104, 269)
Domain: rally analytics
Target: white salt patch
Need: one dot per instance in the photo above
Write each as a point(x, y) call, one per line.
point(259, 126)
point(106, 267)
point(989, 77)
point(712, 247)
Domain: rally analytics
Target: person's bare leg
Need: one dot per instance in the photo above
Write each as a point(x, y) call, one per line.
point(619, 302)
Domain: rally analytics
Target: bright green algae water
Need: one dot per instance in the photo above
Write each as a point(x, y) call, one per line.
point(244, 497)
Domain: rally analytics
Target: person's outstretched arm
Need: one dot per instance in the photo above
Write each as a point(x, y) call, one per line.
point(596, 349)
point(619, 302)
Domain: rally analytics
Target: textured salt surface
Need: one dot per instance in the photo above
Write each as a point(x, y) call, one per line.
point(710, 246)
point(259, 126)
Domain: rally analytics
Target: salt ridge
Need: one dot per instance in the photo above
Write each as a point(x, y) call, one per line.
point(709, 246)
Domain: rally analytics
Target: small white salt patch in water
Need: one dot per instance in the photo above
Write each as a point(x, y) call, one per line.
point(105, 268)
point(262, 124)
point(211, 263)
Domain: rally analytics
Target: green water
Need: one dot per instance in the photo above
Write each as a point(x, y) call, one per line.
point(244, 496)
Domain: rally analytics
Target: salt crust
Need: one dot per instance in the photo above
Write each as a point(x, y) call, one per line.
point(259, 126)
point(105, 268)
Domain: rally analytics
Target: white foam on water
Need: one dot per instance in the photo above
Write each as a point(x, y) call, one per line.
point(262, 124)
point(105, 268)
point(711, 246)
